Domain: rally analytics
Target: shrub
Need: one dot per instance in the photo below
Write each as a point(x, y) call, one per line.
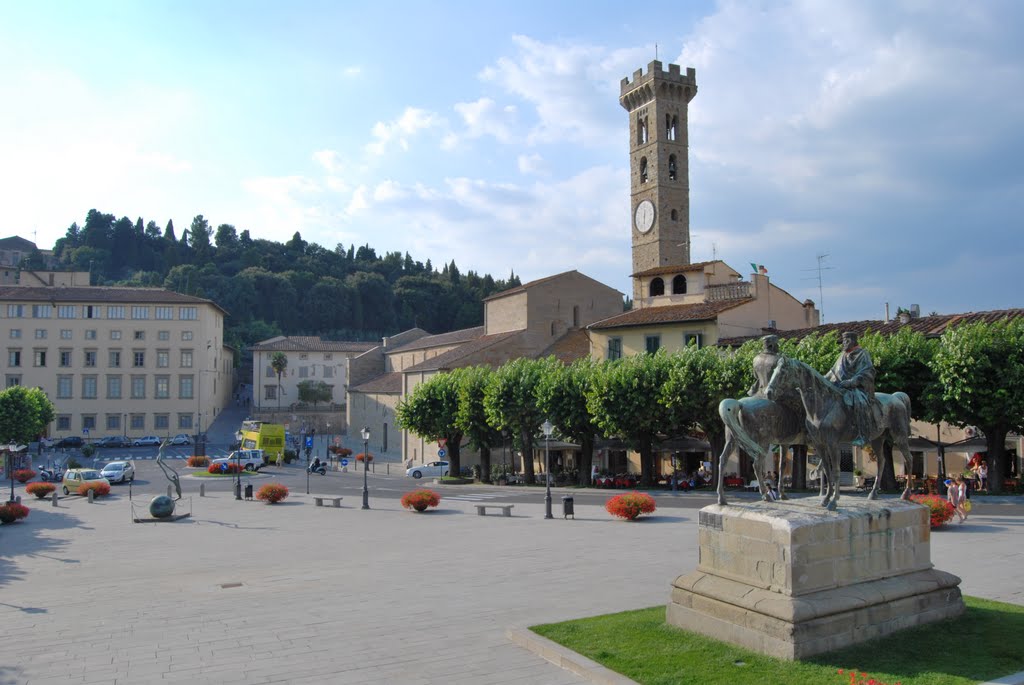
point(88, 451)
point(339, 451)
point(361, 456)
point(272, 493)
point(12, 511)
point(40, 490)
point(73, 464)
point(230, 468)
point(940, 510)
point(420, 499)
point(24, 475)
point(98, 489)
point(198, 461)
point(630, 505)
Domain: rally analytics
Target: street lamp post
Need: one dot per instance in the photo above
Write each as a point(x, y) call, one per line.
point(238, 475)
point(366, 462)
point(547, 428)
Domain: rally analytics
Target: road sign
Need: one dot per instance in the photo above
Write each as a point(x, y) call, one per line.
point(344, 462)
point(309, 442)
point(442, 453)
point(337, 440)
point(85, 431)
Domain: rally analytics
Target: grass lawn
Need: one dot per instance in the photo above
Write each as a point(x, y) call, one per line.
point(981, 645)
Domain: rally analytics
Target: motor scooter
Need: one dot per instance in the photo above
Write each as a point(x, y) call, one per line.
point(51, 473)
point(320, 468)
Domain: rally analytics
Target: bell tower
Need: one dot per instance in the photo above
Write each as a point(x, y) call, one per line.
point(659, 177)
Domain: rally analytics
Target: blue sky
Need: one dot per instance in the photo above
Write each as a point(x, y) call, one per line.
point(886, 135)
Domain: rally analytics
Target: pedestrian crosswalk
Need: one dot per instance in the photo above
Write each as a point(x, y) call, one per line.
point(211, 454)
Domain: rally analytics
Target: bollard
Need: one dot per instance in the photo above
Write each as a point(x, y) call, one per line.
point(91, 491)
point(170, 490)
point(53, 500)
point(202, 489)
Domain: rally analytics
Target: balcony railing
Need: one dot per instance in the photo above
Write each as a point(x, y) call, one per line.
point(727, 291)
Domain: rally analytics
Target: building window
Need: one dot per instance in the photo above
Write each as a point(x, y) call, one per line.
point(270, 372)
point(328, 371)
point(139, 335)
point(138, 422)
point(13, 357)
point(64, 422)
point(184, 422)
point(139, 359)
point(303, 355)
point(66, 311)
point(270, 392)
point(15, 311)
point(164, 313)
point(40, 334)
point(65, 358)
point(679, 285)
point(186, 359)
point(643, 170)
point(90, 334)
point(64, 387)
point(89, 387)
point(163, 335)
point(696, 339)
point(303, 372)
point(13, 381)
point(614, 348)
point(652, 343)
point(113, 387)
point(186, 335)
point(90, 311)
point(115, 311)
point(674, 214)
point(163, 359)
point(39, 358)
point(65, 334)
point(140, 312)
point(16, 333)
point(113, 422)
point(185, 387)
point(115, 359)
point(90, 358)
point(671, 167)
point(188, 313)
point(41, 311)
point(138, 387)
point(115, 335)
point(657, 287)
point(88, 422)
point(328, 357)
point(163, 387)
point(161, 421)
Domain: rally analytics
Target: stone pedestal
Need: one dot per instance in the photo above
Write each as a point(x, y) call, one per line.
point(790, 579)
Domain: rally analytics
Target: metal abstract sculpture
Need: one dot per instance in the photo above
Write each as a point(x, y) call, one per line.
point(171, 474)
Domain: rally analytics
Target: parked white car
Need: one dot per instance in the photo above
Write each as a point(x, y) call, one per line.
point(148, 440)
point(250, 460)
point(433, 468)
point(119, 471)
point(181, 439)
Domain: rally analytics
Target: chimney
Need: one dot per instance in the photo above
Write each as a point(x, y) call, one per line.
point(886, 312)
point(915, 311)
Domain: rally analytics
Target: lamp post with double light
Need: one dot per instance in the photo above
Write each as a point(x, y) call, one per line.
point(547, 428)
point(366, 465)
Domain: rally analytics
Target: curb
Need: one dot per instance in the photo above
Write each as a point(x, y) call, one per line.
point(569, 660)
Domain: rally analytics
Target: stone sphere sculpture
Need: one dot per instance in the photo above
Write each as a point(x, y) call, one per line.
point(161, 506)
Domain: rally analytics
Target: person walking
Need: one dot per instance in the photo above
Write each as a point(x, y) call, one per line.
point(983, 477)
point(280, 459)
point(956, 493)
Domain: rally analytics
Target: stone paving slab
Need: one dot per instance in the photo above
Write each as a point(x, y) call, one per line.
point(350, 596)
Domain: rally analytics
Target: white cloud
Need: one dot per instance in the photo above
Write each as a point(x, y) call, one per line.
point(402, 130)
point(329, 160)
point(531, 164)
point(484, 118)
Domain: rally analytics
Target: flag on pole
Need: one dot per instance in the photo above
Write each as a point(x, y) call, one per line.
point(759, 269)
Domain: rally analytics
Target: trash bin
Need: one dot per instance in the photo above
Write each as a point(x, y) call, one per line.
point(248, 491)
point(567, 507)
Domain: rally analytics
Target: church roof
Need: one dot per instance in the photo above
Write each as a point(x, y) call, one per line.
point(486, 349)
point(572, 346)
point(441, 339)
point(676, 313)
point(677, 269)
point(384, 384)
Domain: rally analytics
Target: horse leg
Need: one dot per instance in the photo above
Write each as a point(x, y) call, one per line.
point(722, 459)
point(782, 467)
point(876, 446)
point(903, 445)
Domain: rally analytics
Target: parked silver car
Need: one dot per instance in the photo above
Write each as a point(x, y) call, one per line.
point(119, 471)
point(433, 468)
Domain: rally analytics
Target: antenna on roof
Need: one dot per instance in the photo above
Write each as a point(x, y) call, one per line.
point(821, 295)
point(655, 51)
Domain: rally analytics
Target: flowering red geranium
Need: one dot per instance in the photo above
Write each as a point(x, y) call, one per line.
point(99, 489)
point(940, 510)
point(197, 460)
point(339, 451)
point(40, 490)
point(12, 511)
point(225, 468)
point(360, 456)
point(420, 499)
point(24, 475)
point(271, 493)
point(862, 678)
point(630, 505)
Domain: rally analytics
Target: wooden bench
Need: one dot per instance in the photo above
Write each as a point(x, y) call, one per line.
point(319, 501)
point(506, 509)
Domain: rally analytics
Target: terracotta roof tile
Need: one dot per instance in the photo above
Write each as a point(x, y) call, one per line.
point(387, 383)
point(97, 294)
point(472, 353)
point(677, 269)
point(676, 313)
point(302, 343)
point(570, 347)
point(524, 286)
point(440, 340)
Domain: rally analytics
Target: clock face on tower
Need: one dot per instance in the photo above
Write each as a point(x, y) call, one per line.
point(643, 217)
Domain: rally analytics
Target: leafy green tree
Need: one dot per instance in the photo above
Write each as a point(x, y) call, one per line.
point(431, 411)
point(980, 368)
point(562, 397)
point(624, 400)
point(314, 392)
point(279, 363)
point(511, 404)
point(24, 414)
point(471, 416)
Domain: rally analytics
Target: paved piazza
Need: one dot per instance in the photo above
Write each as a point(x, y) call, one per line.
point(349, 596)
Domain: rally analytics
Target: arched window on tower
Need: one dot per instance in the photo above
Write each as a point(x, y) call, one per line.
point(679, 285)
point(643, 170)
point(641, 129)
point(657, 287)
point(675, 215)
point(671, 123)
point(671, 167)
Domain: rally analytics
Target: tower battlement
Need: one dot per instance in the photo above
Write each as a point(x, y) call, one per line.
point(655, 71)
